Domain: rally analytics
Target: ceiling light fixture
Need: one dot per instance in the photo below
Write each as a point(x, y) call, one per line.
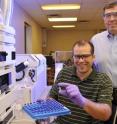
point(63, 26)
point(60, 6)
point(62, 19)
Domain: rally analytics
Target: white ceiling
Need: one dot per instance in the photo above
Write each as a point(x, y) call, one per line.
point(89, 15)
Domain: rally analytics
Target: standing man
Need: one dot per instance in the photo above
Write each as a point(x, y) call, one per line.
point(105, 44)
point(84, 91)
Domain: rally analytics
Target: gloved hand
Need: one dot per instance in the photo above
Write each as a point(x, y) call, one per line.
point(72, 92)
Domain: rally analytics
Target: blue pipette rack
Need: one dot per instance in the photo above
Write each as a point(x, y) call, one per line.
point(44, 109)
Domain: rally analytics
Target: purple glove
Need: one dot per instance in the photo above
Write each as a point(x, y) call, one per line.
point(72, 92)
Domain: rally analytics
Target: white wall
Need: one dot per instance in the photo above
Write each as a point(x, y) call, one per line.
point(18, 18)
point(55, 39)
point(61, 40)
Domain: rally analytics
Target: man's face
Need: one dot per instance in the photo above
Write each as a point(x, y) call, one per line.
point(83, 58)
point(110, 20)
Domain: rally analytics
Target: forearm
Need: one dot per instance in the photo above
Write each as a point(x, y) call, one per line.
point(98, 110)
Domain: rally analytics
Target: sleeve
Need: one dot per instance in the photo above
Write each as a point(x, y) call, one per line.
point(106, 90)
point(95, 64)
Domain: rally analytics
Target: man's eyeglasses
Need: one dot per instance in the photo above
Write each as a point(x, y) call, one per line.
point(108, 15)
point(83, 57)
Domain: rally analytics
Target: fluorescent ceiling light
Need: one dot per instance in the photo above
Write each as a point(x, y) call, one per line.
point(62, 19)
point(60, 6)
point(63, 26)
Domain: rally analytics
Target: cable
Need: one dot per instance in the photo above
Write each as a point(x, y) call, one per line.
point(21, 66)
point(23, 75)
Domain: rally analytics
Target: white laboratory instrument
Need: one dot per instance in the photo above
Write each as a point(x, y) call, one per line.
point(33, 79)
point(8, 90)
point(7, 42)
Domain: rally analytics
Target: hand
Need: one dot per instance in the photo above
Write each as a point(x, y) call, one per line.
point(72, 92)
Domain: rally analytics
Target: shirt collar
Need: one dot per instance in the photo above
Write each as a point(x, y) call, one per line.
point(110, 36)
point(90, 77)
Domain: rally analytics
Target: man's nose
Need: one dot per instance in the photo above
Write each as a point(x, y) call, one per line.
point(81, 59)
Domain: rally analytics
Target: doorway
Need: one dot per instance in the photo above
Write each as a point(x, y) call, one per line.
point(27, 38)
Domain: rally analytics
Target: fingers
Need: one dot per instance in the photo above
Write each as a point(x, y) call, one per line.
point(63, 85)
point(63, 92)
point(67, 86)
point(68, 89)
point(62, 88)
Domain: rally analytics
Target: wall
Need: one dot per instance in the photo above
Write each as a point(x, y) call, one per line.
point(18, 18)
point(56, 40)
point(61, 40)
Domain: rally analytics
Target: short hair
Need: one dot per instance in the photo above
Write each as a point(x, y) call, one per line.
point(83, 43)
point(110, 5)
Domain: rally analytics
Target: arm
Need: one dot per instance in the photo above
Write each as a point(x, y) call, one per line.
point(99, 111)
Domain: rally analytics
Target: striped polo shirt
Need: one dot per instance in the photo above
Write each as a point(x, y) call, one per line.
point(97, 87)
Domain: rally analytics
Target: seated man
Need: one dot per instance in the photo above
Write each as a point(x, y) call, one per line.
point(87, 93)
